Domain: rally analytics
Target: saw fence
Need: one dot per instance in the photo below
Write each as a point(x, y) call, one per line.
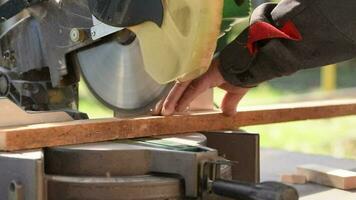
point(87, 131)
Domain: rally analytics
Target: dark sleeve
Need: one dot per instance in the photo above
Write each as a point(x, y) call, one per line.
point(328, 34)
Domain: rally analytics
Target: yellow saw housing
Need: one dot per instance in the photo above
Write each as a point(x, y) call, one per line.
point(183, 47)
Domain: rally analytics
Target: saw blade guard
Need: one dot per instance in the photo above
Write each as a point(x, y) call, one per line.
point(183, 47)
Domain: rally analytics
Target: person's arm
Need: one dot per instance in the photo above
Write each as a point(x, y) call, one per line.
point(281, 39)
point(317, 33)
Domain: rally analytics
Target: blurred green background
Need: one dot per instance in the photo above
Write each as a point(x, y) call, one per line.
point(336, 137)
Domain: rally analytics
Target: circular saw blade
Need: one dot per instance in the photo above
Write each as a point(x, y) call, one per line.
point(115, 75)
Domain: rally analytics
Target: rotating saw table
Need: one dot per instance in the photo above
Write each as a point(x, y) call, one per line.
point(151, 168)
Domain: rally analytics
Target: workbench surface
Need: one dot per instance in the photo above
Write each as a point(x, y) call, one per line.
point(276, 162)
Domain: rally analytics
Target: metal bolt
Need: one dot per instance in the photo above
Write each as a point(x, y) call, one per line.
point(93, 33)
point(77, 35)
point(7, 54)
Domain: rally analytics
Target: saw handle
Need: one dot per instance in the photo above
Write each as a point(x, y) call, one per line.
point(247, 191)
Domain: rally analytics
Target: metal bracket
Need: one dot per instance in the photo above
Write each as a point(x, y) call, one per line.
point(100, 30)
point(209, 172)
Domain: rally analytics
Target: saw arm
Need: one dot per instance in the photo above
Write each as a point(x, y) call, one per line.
point(13, 7)
point(124, 13)
point(144, 47)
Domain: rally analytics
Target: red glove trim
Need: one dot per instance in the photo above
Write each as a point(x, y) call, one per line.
point(263, 30)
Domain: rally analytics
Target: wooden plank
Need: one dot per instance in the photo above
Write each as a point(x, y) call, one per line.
point(328, 176)
point(13, 115)
point(86, 131)
point(293, 179)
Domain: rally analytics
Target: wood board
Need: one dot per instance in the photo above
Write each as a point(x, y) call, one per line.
point(11, 115)
point(338, 178)
point(293, 178)
point(86, 131)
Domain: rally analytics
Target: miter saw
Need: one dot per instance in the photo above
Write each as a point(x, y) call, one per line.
point(128, 52)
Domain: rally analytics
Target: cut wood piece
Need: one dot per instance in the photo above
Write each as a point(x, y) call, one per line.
point(85, 131)
point(12, 115)
point(293, 179)
point(328, 176)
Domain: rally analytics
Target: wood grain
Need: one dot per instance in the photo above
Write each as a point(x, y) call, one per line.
point(86, 131)
point(338, 178)
point(293, 179)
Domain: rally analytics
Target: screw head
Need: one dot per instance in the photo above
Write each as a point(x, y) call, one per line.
point(93, 33)
point(77, 35)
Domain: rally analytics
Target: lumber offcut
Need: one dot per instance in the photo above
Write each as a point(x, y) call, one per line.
point(11, 115)
point(293, 179)
point(338, 178)
point(86, 131)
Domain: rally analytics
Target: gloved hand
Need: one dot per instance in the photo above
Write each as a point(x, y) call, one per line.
point(183, 93)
